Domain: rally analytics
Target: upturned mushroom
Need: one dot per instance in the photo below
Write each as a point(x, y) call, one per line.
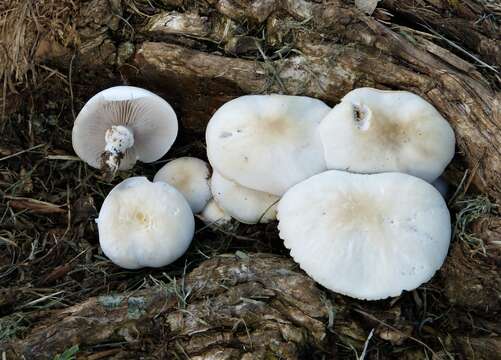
point(190, 176)
point(267, 142)
point(243, 204)
point(121, 125)
point(373, 131)
point(366, 236)
point(144, 224)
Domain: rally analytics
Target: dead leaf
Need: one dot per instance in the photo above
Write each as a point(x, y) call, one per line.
point(37, 206)
point(394, 336)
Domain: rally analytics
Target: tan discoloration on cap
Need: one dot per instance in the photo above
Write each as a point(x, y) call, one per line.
point(374, 131)
point(349, 208)
point(267, 142)
point(365, 236)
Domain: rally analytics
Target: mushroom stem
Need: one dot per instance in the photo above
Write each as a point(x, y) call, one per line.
point(118, 139)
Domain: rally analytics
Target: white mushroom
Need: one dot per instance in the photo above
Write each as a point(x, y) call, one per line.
point(213, 214)
point(243, 204)
point(267, 142)
point(190, 176)
point(145, 224)
point(374, 131)
point(366, 236)
point(121, 125)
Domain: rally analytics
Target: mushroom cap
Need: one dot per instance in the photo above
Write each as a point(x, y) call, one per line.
point(190, 176)
point(243, 204)
point(366, 236)
point(145, 224)
point(374, 131)
point(151, 119)
point(267, 142)
point(213, 214)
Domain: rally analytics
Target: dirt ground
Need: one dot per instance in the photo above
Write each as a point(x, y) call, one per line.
point(50, 257)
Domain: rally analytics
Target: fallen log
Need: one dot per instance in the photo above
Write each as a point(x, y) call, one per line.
point(248, 307)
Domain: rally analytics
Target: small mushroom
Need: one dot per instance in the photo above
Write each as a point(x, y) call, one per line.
point(243, 204)
point(190, 176)
point(267, 142)
point(121, 125)
point(145, 224)
point(212, 214)
point(374, 131)
point(366, 236)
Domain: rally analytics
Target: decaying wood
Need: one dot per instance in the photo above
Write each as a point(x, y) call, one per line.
point(470, 282)
point(229, 307)
point(488, 229)
point(333, 48)
point(466, 22)
point(199, 55)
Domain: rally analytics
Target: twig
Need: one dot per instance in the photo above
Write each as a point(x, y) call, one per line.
point(372, 317)
point(272, 67)
point(457, 47)
point(366, 345)
point(22, 152)
point(469, 180)
point(70, 86)
point(43, 298)
point(458, 189)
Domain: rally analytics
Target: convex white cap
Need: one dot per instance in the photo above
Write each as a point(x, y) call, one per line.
point(366, 236)
point(243, 204)
point(125, 123)
point(374, 131)
point(145, 224)
point(212, 214)
point(190, 176)
point(267, 142)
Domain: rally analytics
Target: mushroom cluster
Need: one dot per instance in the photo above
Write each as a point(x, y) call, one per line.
point(352, 186)
point(355, 206)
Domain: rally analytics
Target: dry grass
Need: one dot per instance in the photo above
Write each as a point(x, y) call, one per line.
point(22, 24)
point(468, 211)
point(18, 32)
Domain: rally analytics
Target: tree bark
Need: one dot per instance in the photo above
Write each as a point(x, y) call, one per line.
point(332, 48)
point(199, 55)
point(469, 23)
point(229, 307)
